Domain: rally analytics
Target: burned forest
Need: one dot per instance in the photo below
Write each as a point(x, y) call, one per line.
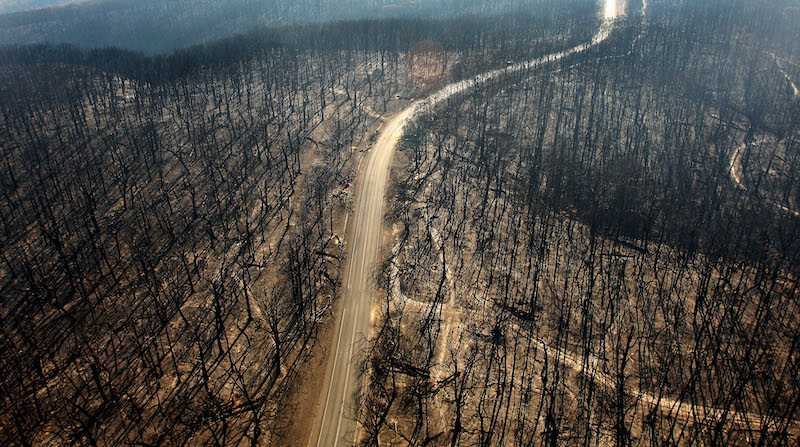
point(602, 251)
point(534, 222)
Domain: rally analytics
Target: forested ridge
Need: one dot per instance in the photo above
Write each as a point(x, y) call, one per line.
point(162, 26)
point(512, 36)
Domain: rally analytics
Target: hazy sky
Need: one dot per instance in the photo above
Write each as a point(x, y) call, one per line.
point(7, 6)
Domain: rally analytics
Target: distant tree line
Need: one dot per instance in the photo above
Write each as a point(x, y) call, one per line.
point(504, 36)
point(157, 27)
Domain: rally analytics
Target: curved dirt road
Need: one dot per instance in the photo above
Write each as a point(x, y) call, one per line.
point(334, 424)
point(735, 165)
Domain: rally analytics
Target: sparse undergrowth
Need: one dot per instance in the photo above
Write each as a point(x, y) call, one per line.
point(574, 263)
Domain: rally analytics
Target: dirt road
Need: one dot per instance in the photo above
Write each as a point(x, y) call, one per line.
point(334, 424)
point(735, 171)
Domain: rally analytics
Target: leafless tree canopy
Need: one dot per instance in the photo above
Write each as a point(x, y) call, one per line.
point(575, 260)
point(602, 250)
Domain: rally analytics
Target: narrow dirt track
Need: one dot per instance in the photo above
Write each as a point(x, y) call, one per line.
point(735, 171)
point(334, 423)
